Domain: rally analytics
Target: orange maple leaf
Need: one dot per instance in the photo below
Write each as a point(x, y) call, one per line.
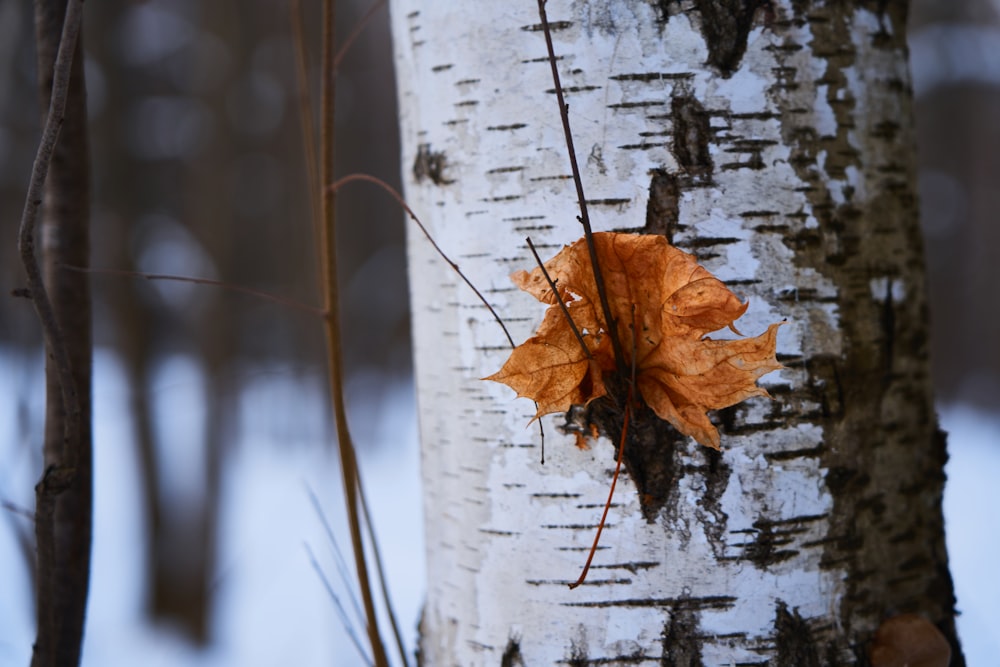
point(671, 301)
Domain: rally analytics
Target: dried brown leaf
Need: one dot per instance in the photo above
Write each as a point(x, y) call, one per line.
point(681, 374)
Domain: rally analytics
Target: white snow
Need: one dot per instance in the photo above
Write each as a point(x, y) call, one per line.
point(271, 607)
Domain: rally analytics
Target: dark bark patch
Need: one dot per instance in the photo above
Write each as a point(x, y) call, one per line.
point(794, 643)
point(512, 653)
point(716, 473)
point(662, 9)
point(650, 448)
point(431, 164)
point(663, 207)
point(725, 25)
point(681, 640)
point(692, 134)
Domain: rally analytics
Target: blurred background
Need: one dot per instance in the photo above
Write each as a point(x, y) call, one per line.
point(211, 420)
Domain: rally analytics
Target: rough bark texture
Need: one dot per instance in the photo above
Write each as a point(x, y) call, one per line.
point(62, 598)
point(776, 146)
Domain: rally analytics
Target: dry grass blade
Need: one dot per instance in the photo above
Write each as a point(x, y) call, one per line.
point(338, 557)
point(380, 572)
point(348, 628)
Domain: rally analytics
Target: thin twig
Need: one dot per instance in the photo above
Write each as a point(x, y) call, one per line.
point(60, 476)
point(559, 299)
point(413, 216)
point(399, 199)
point(266, 296)
point(51, 330)
point(584, 217)
point(356, 32)
point(17, 510)
point(305, 111)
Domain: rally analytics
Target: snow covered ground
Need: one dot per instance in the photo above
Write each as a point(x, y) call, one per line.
point(271, 606)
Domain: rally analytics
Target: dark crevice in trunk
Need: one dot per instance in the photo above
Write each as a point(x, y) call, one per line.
point(726, 24)
point(681, 641)
point(663, 207)
point(692, 134)
point(794, 643)
point(512, 654)
point(650, 449)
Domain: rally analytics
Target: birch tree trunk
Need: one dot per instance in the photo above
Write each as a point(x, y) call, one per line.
point(774, 141)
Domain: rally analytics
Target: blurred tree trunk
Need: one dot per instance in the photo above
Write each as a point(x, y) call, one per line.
point(62, 592)
point(774, 141)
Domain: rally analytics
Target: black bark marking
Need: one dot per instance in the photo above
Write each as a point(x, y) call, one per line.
point(753, 149)
point(772, 539)
point(681, 641)
point(650, 448)
point(794, 643)
point(725, 25)
point(663, 207)
point(764, 549)
point(554, 27)
point(717, 602)
point(692, 133)
point(431, 164)
point(662, 9)
point(512, 653)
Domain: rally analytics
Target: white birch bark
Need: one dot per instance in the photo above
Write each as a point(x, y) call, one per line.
point(754, 144)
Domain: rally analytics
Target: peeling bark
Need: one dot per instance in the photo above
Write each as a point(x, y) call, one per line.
point(773, 143)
